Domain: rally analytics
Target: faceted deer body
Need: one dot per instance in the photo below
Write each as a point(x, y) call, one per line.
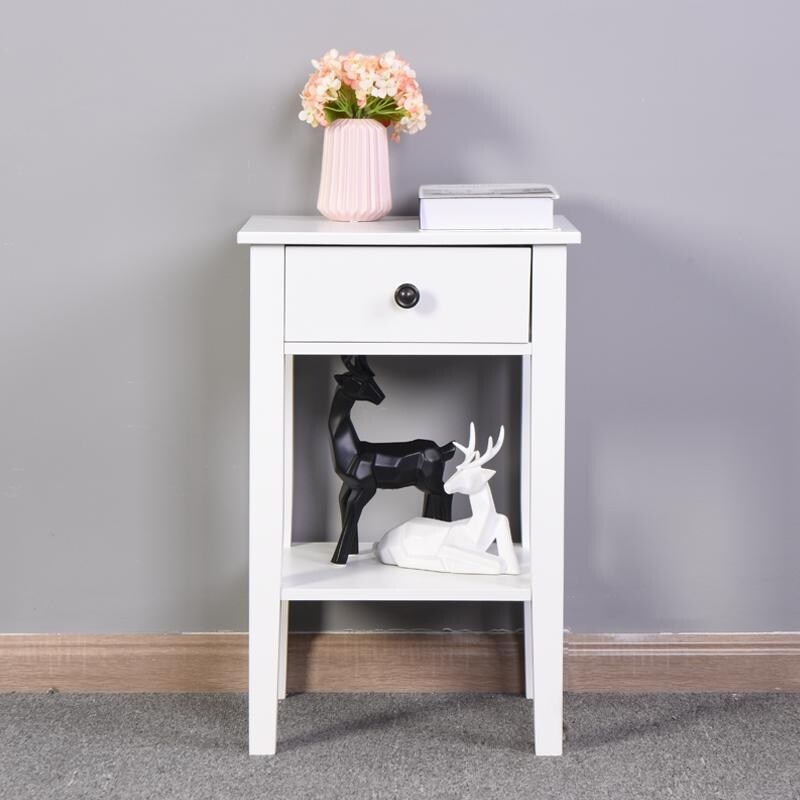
point(365, 467)
point(459, 546)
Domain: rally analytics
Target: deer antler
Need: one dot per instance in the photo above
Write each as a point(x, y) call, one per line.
point(469, 450)
point(491, 449)
point(363, 366)
point(357, 365)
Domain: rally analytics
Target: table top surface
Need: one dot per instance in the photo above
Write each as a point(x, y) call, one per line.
point(403, 231)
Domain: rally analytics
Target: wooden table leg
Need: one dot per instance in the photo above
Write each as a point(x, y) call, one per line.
point(266, 493)
point(549, 294)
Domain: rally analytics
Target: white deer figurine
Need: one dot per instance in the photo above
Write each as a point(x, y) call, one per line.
point(459, 546)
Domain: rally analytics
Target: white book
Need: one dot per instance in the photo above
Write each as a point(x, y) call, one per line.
point(486, 206)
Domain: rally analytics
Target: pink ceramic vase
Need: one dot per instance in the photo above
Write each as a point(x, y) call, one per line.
point(354, 184)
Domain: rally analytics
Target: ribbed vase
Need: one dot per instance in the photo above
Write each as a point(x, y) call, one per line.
point(354, 184)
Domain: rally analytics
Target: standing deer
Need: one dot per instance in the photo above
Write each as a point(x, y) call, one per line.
point(365, 467)
point(458, 546)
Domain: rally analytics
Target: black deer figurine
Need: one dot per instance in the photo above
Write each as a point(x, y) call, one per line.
point(365, 467)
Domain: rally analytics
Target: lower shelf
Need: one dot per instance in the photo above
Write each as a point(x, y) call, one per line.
point(309, 575)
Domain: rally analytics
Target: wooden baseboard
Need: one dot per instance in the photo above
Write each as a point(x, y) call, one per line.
point(406, 662)
point(674, 662)
point(376, 662)
point(204, 662)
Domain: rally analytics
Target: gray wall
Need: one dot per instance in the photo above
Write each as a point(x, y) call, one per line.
point(137, 137)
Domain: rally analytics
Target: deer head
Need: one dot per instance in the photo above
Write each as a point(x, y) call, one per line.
point(470, 475)
point(358, 383)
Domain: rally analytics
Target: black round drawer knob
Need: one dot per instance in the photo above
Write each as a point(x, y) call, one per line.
point(406, 295)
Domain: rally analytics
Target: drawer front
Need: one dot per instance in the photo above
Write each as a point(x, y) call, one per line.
point(466, 294)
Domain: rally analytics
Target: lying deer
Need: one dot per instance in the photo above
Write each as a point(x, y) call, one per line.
point(458, 546)
point(365, 467)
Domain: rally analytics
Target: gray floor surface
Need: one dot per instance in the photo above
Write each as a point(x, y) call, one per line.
point(399, 746)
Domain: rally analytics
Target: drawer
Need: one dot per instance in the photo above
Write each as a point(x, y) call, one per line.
point(466, 294)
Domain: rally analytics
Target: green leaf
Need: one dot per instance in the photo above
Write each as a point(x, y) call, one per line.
point(347, 100)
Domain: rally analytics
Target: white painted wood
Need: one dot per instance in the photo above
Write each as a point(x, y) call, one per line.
point(549, 296)
point(280, 572)
point(527, 638)
point(309, 575)
point(525, 509)
point(266, 493)
point(316, 230)
point(283, 650)
point(525, 454)
point(467, 294)
point(288, 499)
point(288, 448)
point(409, 348)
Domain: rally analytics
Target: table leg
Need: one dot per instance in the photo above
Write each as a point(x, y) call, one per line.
point(527, 627)
point(525, 510)
point(283, 650)
point(266, 493)
point(288, 499)
point(548, 317)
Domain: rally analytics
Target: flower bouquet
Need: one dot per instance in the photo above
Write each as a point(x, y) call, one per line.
point(357, 98)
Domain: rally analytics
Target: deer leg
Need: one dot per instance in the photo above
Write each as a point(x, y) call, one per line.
point(438, 506)
point(348, 541)
point(356, 501)
point(447, 507)
point(342, 551)
point(344, 493)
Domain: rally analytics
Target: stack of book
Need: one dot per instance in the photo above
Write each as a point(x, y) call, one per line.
point(486, 206)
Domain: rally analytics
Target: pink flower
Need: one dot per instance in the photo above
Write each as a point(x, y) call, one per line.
point(379, 87)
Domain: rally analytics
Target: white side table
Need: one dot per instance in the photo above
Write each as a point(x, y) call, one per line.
point(482, 293)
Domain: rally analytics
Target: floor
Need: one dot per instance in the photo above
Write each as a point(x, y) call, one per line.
point(399, 746)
